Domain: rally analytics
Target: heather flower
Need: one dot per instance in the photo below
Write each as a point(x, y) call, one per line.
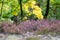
point(40, 26)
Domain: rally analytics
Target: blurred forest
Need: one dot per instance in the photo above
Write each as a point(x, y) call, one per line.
point(29, 9)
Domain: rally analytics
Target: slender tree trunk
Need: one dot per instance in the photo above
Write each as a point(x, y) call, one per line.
point(21, 7)
point(47, 9)
point(20, 3)
point(2, 7)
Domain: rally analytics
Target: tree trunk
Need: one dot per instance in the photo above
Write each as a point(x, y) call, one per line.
point(47, 9)
point(20, 3)
point(2, 7)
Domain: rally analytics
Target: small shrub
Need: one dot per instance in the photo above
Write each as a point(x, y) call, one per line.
point(39, 26)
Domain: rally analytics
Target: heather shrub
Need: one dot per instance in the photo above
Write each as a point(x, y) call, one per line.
point(37, 26)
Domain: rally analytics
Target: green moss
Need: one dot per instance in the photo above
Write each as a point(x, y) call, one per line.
point(32, 38)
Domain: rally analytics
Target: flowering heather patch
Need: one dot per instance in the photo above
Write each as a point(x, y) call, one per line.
point(39, 26)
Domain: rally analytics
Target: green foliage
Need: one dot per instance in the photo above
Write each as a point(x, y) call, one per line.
point(54, 12)
point(10, 6)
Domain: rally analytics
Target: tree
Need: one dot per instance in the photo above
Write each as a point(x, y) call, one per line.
point(20, 3)
point(47, 9)
point(2, 7)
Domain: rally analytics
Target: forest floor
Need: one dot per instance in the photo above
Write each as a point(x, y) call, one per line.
point(28, 37)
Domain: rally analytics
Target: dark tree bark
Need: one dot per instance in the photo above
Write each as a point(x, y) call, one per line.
point(20, 3)
point(47, 9)
point(21, 7)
